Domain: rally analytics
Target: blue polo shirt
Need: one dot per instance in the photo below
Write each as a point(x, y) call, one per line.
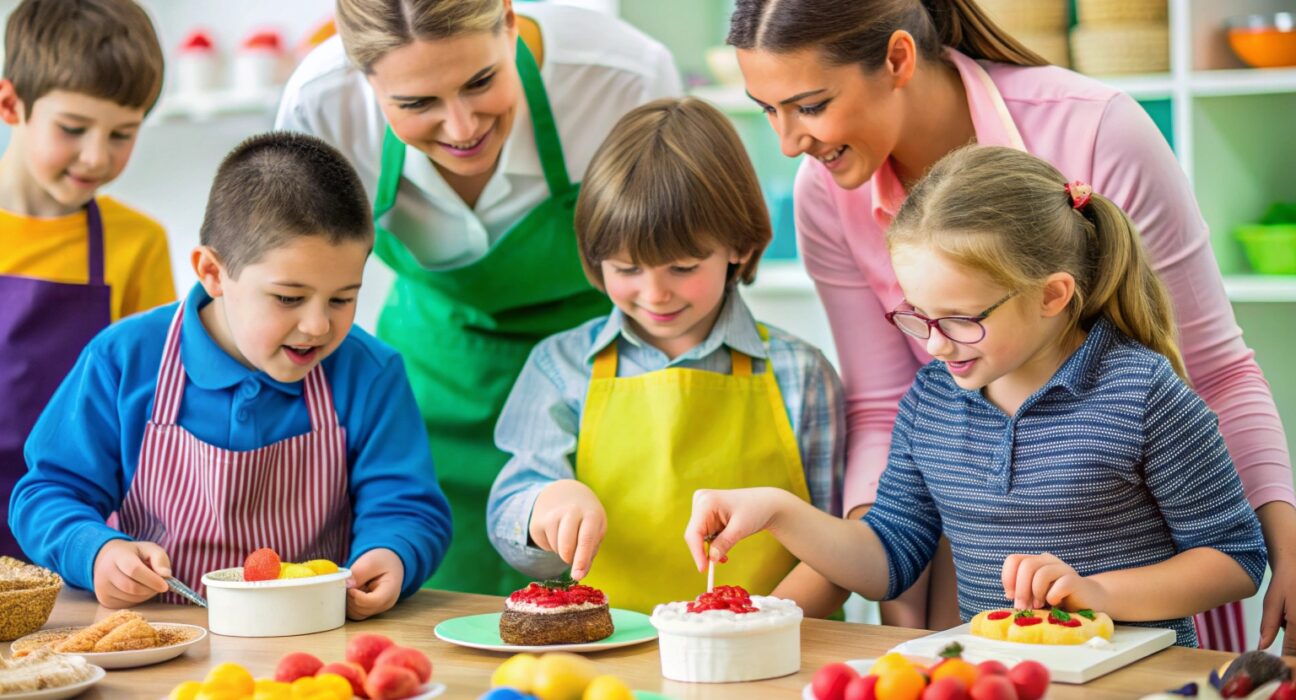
point(1113, 464)
point(83, 452)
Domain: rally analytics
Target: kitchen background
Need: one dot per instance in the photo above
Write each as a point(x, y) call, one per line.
point(1230, 125)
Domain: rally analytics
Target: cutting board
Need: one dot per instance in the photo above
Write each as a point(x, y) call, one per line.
point(1067, 664)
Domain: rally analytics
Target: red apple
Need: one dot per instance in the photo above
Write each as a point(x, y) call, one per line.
point(1030, 678)
point(947, 688)
point(350, 670)
point(829, 682)
point(296, 665)
point(862, 688)
point(992, 687)
point(391, 682)
point(413, 659)
point(363, 649)
point(992, 668)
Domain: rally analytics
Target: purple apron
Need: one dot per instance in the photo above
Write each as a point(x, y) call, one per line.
point(43, 328)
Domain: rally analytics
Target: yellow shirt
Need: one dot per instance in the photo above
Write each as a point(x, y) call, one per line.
point(137, 265)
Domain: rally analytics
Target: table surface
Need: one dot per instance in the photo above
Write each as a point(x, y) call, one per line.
point(466, 672)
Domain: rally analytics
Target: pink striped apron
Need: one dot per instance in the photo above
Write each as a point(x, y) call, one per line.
point(209, 507)
point(1222, 629)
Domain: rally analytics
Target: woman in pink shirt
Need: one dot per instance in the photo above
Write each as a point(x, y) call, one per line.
point(875, 92)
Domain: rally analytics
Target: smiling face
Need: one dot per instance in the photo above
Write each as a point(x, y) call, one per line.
point(454, 99)
point(846, 118)
point(70, 145)
point(289, 310)
point(1026, 337)
point(672, 307)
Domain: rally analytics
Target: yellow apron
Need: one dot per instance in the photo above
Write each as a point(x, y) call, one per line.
point(648, 442)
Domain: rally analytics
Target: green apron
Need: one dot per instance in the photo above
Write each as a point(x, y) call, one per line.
point(465, 333)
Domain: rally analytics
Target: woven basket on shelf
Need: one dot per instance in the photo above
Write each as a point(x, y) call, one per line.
point(1027, 16)
point(1121, 48)
point(1120, 11)
point(1052, 46)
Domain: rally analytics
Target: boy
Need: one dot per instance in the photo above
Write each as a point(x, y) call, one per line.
point(250, 415)
point(613, 424)
point(79, 76)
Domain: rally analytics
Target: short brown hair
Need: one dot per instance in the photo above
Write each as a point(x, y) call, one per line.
point(278, 186)
point(102, 48)
point(671, 181)
point(372, 28)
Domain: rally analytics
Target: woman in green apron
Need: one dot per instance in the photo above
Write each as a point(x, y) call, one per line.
point(472, 125)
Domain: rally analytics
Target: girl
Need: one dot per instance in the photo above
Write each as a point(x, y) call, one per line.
point(1052, 440)
point(472, 125)
point(613, 425)
point(876, 91)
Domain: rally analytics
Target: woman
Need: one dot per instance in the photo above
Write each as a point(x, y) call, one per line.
point(471, 125)
point(875, 92)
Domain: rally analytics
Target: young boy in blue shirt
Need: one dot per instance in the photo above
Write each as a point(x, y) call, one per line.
point(250, 415)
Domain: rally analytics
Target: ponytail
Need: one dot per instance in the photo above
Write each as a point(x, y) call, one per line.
point(858, 31)
point(1123, 287)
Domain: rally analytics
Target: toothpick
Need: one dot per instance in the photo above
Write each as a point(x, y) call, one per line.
point(706, 548)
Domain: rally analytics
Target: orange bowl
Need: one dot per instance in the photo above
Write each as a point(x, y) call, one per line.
point(1264, 41)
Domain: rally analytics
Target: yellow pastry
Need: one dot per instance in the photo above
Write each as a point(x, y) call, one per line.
point(1042, 626)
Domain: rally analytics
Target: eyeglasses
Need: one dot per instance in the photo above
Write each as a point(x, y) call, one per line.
point(966, 330)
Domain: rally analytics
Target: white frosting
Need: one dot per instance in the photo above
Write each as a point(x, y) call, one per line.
point(1100, 643)
point(719, 646)
point(533, 609)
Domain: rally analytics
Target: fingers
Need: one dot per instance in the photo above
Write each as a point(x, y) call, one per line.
point(588, 538)
point(707, 517)
point(1034, 575)
point(157, 559)
point(1272, 619)
point(1009, 574)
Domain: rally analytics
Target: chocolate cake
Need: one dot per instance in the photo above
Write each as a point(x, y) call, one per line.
point(555, 613)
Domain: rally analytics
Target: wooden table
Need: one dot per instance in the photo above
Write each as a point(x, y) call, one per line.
point(466, 672)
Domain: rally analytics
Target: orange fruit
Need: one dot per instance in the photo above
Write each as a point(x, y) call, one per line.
point(889, 661)
point(904, 683)
point(955, 668)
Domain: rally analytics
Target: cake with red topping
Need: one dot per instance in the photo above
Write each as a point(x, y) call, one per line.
point(728, 635)
point(1054, 626)
point(555, 612)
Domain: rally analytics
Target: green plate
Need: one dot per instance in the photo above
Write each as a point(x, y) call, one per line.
point(482, 632)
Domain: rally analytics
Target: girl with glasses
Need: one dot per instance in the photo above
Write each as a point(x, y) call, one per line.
point(1053, 440)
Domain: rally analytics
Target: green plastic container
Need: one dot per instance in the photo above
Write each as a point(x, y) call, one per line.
point(1270, 246)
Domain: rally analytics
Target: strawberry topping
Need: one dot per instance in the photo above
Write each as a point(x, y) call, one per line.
point(731, 598)
point(547, 597)
point(999, 614)
point(1023, 621)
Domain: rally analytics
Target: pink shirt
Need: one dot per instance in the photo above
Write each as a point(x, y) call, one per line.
point(1090, 132)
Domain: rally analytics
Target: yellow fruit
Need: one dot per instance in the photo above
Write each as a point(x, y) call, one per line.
point(957, 668)
point(900, 684)
point(607, 688)
point(231, 677)
point(320, 566)
point(295, 571)
point(334, 684)
point(891, 660)
point(219, 693)
point(303, 688)
point(270, 689)
point(185, 691)
point(562, 676)
point(517, 673)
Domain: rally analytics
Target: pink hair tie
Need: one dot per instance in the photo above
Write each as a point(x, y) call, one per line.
point(1080, 194)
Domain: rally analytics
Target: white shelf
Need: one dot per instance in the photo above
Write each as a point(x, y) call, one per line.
point(1153, 86)
point(1260, 288)
point(1244, 81)
point(205, 106)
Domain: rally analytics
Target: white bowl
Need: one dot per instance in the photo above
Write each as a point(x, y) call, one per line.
point(278, 608)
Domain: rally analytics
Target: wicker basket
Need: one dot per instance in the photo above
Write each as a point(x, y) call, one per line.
point(27, 595)
point(1027, 16)
point(1121, 48)
point(1120, 11)
point(1052, 46)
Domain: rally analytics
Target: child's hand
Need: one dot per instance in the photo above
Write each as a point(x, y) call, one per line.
point(127, 573)
point(568, 520)
point(1032, 580)
point(729, 516)
point(375, 584)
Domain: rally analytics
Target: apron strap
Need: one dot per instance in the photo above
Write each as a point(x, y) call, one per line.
point(319, 400)
point(742, 363)
point(170, 384)
point(94, 236)
point(605, 363)
point(393, 162)
point(542, 121)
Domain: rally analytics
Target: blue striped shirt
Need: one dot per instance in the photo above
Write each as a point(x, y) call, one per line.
point(1113, 464)
point(540, 421)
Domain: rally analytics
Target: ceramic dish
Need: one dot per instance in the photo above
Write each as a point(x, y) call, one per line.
point(482, 632)
point(1264, 41)
point(120, 659)
point(66, 691)
point(277, 608)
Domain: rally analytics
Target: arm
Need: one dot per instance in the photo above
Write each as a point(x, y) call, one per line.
point(538, 428)
point(397, 504)
point(876, 361)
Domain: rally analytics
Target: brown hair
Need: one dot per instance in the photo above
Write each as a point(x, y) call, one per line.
point(1005, 213)
point(279, 186)
point(102, 48)
point(671, 181)
point(372, 28)
point(858, 31)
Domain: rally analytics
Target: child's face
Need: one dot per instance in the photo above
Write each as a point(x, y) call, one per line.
point(73, 144)
point(673, 306)
point(287, 311)
point(1017, 353)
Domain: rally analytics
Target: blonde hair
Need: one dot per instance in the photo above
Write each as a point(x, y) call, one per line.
point(370, 29)
point(1005, 213)
point(858, 31)
point(671, 181)
point(102, 48)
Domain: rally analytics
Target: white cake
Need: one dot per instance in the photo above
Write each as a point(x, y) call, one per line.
point(722, 646)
